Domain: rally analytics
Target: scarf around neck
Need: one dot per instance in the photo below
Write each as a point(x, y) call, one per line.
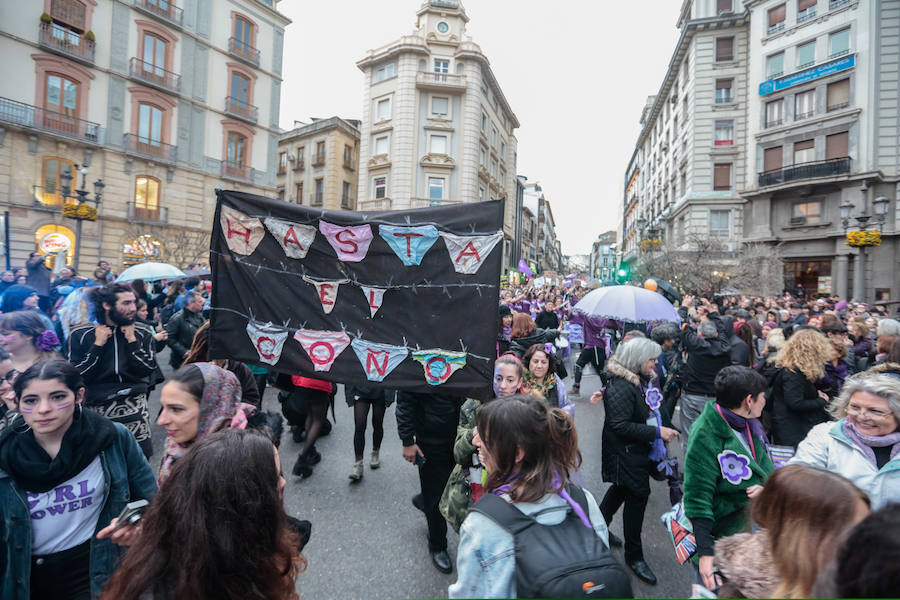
point(544, 385)
point(220, 408)
point(867, 442)
point(31, 467)
point(739, 423)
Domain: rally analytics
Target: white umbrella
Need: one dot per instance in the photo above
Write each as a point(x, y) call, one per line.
point(627, 303)
point(150, 271)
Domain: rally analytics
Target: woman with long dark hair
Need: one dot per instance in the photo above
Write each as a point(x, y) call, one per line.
point(541, 379)
point(65, 473)
point(217, 530)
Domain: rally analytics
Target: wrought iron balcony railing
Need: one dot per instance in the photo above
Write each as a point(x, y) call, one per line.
point(154, 75)
point(61, 40)
point(810, 170)
point(163, 9)
point(149, 147)
point(142, 214)
point(244, 51)
point(35, 117)
point(240, 109)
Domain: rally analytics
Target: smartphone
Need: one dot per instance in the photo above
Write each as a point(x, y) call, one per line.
point(132, 513)
point(420, 460)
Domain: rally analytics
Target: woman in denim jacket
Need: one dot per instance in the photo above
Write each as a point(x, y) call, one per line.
point(65, 474)
point(529, 451)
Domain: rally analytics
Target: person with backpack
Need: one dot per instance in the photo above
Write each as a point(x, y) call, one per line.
point(533, 534)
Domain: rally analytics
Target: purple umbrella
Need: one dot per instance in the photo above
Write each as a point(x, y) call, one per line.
point(627, 303)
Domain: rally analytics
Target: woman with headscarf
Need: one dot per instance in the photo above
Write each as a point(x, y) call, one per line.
point(200, 398)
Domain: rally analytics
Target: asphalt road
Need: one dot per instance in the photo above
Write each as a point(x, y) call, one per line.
point(368, 541)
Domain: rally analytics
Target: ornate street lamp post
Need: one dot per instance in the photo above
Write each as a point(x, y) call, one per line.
point(863, 238)
point(81, 211)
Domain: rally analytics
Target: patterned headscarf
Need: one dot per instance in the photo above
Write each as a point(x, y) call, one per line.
point(220, 408)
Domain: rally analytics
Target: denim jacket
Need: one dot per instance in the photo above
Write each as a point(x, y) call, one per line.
point(127, 477)
point(486, 555)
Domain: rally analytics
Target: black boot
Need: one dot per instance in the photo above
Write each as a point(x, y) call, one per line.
point(302, 467)
point(643, 572)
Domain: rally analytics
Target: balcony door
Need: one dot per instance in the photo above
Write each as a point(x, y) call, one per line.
point(150, 128)
point(146, 198)
point(441, 68)
point(240, 92)
point(61, 103)
point(237, 152)
point(154, 64)
point(243, 32)
point(51, 193)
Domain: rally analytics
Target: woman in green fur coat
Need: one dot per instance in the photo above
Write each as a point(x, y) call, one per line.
point(457, 498)
point(726, 463)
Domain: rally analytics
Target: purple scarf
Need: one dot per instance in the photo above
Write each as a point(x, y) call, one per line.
point(867, 442)
point(506, 333)
point(739, 423)
point(505, 488)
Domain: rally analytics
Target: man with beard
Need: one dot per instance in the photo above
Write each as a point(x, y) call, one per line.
point(115, 357)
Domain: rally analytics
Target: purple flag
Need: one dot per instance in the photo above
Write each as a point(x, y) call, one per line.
point(523, 268)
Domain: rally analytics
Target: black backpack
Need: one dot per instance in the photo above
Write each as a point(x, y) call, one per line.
point(567, 560)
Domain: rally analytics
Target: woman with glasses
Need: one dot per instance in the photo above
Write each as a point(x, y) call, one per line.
point(864, 444)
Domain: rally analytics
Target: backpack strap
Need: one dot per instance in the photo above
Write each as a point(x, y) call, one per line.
point(579, 496)
point(503, 513)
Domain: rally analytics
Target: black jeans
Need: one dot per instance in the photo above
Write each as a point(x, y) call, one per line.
point(65, 574)
point(433, 476)
point(594, 356)
point(632, 518)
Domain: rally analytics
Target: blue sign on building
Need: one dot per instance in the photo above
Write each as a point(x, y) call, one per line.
point(782, 83)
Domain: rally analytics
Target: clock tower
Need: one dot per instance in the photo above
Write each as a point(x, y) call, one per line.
point(443, 20)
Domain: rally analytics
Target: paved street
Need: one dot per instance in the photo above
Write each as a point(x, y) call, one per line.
point(369, 542)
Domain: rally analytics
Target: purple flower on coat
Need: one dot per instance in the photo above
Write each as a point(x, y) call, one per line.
point(653, 398)
point(735, 468)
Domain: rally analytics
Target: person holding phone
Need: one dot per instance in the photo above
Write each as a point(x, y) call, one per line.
point(65, 473)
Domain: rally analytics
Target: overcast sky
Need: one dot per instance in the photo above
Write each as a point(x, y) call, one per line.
point(576, 73)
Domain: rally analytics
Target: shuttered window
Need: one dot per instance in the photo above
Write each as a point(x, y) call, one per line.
point(836, 146)
point(772, 158)
point(776, 15)
point(804, 4)
point(838, 94)
point(70, 12)
point(723, 5)
point(804, 152)
point(722, 176)
point(724, 49)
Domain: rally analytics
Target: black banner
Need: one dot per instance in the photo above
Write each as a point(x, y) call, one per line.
point(401, 299)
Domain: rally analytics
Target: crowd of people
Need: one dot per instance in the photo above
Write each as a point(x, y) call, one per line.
point(787, 411)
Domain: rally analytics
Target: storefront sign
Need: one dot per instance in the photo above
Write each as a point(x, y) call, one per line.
point(53, 243)
point(782, 83)
point(825, 285)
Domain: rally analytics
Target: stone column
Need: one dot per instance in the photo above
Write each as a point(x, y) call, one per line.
point(839, 269)
point(859, 276)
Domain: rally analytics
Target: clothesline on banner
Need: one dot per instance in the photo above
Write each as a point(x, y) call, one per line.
point(358, 335)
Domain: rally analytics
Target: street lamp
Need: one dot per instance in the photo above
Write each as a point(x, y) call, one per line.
point(863, 239)
point(80, 211)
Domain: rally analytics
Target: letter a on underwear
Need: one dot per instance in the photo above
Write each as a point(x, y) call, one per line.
point(467, 252)
point(242, 232)
point(350, 242)
point(374, 297)
point(323, 347)
point(327, 291)
point(439, 365)
point(268, 339)
point(294, 238)
point(378, 360)
point(409, 243)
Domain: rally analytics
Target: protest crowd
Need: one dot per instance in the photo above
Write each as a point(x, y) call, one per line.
point(775, 422)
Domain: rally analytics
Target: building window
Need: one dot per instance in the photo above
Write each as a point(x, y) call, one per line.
point(348, 156)
point(146, 197)
point(839, 43)
point(806, 10)
point(723, 90)
point(61, 96)
point(838, 95)
point(385, 72)
point(837, 145)
point(243, 35)
point(301, 151)
point(804, 152)
point(320, 153)
point(723, 6)
point(320, 192)
point(52, 191)
point(806, 55)
point(806, 213)
point(724, 49)
point(495, 137)
point(345, 195)
point(775, 66)
point(482, 157)
point(282, 162)
point(150, 127)
point(482, 194)
point(775, 113)
point(724, 133)
point(440, 106)
point(383, 109)
point(484, 123)
point(776, 19)
point(804, 105)
point(441, 68)
point(380, 185)
point(299, 196)
point(435, 188)
point(381, 145)
point(772, 159)
point(438, 144)
point(240, 91)
point(720, 223)
point(722, 177)
point(237, 150)
point(154, 56)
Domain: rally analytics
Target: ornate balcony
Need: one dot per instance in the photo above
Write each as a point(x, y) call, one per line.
point(235, 170)
point(243, 51)
point(41, 119)
point(162, 9)
point(154, 75)
point(149, 148)
point(810, 170)
point(66, 42)
point(240, 109)
point(151, 216)
point(440, 81)
point(376, 204)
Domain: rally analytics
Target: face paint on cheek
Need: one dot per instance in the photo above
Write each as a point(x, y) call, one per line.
point(63, 405)
point(25, 408)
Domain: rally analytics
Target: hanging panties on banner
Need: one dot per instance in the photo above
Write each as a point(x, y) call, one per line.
point(268, 339)
point(378, 360)
point(439, 365)
point(323, 347)
point(243, 233)
point(409, 243)
point(351, 242)
point(327, 291)
point(467, 252)
point(294, 238)
point(374, 297)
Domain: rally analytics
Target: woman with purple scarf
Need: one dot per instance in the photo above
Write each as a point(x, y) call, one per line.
point(529, 452)
point(864, 444)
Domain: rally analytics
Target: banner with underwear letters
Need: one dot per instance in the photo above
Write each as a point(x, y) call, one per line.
point(323, 347)
point(378, 360)
point(268, 339)
point(467, 252)
point(294, 238)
